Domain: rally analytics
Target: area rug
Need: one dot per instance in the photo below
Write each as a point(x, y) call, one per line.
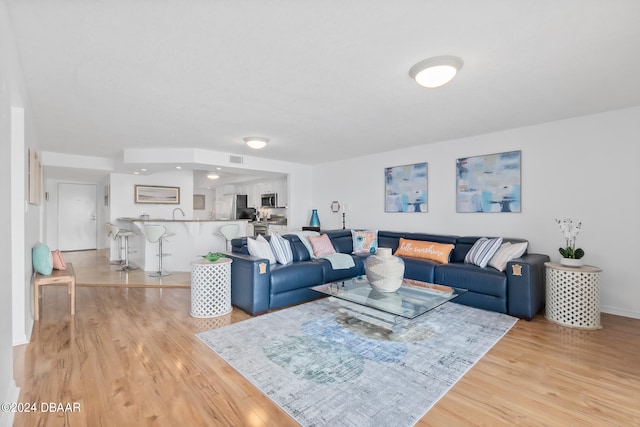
point(325, 368)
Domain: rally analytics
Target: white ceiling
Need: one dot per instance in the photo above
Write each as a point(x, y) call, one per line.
point(323, 80)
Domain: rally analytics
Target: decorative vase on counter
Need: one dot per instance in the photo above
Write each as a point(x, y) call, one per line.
point(384, 271)
point(315, 221)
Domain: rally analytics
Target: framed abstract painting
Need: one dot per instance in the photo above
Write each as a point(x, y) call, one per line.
point(405, 188)
point(489, 183)
point(157, 194)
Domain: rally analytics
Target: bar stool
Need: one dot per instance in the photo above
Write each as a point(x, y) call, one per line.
point(123, 235)
point(157, 233)
point(229, 232)
point(108, 228)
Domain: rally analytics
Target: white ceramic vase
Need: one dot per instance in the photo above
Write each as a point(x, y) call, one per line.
point(571, 262)
point(384, 271)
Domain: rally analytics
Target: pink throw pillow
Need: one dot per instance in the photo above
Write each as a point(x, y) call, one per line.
point(58, 261)
point(321, 245)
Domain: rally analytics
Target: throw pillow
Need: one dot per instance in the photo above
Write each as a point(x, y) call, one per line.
point(321, 245)
point(438, 252)
point(482, 251)
point(365, 241)
point(58, 261)
point(281, 249)
point(506, 253)
point(260, 247)
point(42, 259)
point(304, 238)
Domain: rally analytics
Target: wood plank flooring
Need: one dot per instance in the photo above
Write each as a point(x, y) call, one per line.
point(129, 357)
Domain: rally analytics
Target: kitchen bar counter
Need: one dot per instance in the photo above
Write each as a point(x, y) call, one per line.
point(188, 241)
point(179, 220)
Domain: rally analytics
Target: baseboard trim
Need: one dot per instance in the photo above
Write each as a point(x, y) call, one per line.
point(620, 312)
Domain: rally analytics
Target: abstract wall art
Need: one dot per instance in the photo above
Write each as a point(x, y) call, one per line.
point(405, 188)
point(489, 183)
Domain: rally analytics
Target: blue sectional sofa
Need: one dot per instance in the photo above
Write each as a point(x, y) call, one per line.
point(257, 286)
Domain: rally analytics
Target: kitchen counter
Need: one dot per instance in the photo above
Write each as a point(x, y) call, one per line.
point(132, 219)
point(189, 239)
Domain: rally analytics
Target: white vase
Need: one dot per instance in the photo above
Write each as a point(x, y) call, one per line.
point(384, 271)
point(571, 262)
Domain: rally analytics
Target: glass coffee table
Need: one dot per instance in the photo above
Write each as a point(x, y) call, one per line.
point(392, 310)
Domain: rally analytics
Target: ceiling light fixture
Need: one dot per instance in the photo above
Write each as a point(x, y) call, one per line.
point(212, 176)
point(437, 71)
point(256, 142)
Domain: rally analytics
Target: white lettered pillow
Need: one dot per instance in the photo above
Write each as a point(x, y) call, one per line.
point(260, 247)
point(506, 253)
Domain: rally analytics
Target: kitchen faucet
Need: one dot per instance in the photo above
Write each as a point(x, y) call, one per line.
point(174, 213)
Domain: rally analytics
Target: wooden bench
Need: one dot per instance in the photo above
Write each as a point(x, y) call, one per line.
point(57, 277)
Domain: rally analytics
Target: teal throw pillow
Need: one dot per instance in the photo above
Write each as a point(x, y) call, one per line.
point(42, 259)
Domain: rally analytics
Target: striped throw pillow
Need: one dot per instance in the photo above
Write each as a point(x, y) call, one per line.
point(281, 249)
point(482, 251)
point(506, 253)
point(260, 247)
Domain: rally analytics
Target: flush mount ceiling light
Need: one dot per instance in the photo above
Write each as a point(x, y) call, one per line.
point(212, 176)
point(437, 71)
point(256, 142)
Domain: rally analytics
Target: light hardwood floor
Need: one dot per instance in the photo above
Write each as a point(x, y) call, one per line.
point(129, 357)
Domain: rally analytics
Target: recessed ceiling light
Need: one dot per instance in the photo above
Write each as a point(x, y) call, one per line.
point(256, 142)
point(136, 173)
point(437, 71)
point(212, 176)
point(143, 169)
point(178, 167)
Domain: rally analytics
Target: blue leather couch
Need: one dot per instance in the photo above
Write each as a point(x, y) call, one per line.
point(257, 287)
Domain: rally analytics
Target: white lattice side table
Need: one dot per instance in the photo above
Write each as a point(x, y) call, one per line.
point(573, 295)
point(211, 288)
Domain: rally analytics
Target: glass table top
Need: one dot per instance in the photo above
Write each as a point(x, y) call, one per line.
point(412, 299)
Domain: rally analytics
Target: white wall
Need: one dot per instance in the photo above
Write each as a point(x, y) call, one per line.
point(15, 139)
point(583, 168)
point(122, 194)
point(6, 333)
point(209, 203)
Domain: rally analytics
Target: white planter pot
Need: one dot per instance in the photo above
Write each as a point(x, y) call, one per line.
point(571, 262)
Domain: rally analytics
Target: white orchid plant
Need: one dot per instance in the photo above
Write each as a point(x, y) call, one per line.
point(570, 230)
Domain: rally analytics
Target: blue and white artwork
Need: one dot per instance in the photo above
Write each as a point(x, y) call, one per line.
point(405, 188)
point(489, 183)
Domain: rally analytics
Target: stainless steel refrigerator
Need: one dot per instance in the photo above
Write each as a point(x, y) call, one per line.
point(232, 206)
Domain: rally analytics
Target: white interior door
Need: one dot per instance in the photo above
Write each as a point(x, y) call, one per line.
point(77, 229)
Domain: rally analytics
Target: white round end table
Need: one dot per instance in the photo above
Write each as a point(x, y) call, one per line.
point(573, 295)
point(211, 288)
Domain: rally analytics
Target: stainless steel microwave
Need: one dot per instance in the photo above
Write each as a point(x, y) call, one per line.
point(269, 200)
